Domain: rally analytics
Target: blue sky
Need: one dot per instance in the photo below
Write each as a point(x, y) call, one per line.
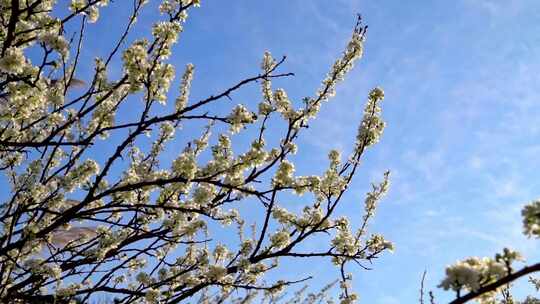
point(462, 106)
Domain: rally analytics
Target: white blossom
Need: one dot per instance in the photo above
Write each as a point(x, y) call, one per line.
point(239, 117)
point(80, 175)
point(216, 272)
point(185, 86)
point(267, 65)
point(152, 296)
point(472, 273)
point(280, 239)
point(13, 61)
point(531, 219)
point(284, 175)
point(372, 125)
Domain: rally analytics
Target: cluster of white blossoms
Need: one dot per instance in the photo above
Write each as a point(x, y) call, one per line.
point(282, 102)
point(283, 216)
point(283, 105)
point(310, 217)
point(255, 156)
point(350, 299)
point(267, 65)
point(160, 82)
point(303, 184)
point(344, 242)
point(332, 183)
point(166, 133)
point(39, 266)
point(531, 219)
point(239, 117)
point(473, 273)
point(182, 99)
point(80, 175)
point(172, 6)
point(372, 199)
point(91, 10)
point(144, 66)
point(55, 42)
point(167, 34)
point(136, 64)
point(185, 165)
point(377, 243)
point(104, 113)
point(280, 239)
point(13, 61)
point(156, 77)
point(284, 175)
point(279, 101)
point(77, 5)
point(372, 125)
point(535, 282)
point(222, 156)
point(341, 67)
point(152, 296)
point(68, 290)
point(530, 300)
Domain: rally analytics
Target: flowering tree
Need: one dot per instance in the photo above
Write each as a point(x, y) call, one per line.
point(131, 226)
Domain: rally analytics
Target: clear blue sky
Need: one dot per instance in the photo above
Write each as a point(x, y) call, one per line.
point(462, 106)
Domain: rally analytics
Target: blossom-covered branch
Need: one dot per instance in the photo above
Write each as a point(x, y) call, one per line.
point(484, 278)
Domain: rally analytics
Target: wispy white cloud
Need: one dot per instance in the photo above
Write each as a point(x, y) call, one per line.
point(498, 8)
